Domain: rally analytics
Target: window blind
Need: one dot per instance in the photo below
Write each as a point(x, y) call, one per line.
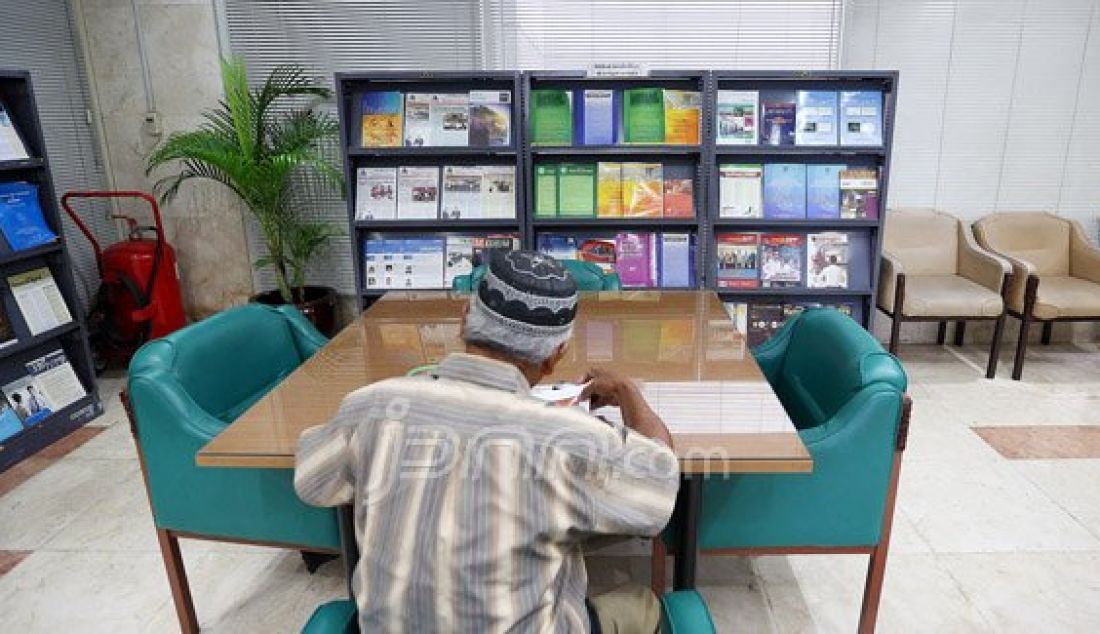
point(726, 34)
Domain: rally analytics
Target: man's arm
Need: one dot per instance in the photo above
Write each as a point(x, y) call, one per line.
point(322, 472)
point(610, 388)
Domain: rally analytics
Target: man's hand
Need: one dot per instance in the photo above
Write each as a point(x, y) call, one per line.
point(609, 388)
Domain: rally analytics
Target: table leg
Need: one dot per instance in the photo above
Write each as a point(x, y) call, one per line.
point(345, 516)
point(688, 507)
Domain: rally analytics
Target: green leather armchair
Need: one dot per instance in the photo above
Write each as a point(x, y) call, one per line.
point(846, 396)
point(183, 390)
point(682, 612)
point(589, 277)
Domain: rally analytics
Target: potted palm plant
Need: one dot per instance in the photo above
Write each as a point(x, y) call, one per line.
point(259, 146)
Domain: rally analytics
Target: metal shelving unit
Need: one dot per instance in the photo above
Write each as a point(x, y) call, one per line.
point(17, 94)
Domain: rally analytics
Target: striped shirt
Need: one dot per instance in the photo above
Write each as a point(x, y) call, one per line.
point(473, 500)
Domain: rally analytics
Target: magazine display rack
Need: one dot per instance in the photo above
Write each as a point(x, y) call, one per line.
point(861, 233)
point(357, 154)
point(22, 353)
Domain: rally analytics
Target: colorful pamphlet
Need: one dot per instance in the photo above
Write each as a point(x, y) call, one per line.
point(643, 190)
point(577, 190)
point(558, 246)
point(859, 193)
point(609, 190)
point(643, 115)
point(827, 260)
point(679, 201)
point(551, 117)
point(784, 190)
point(546, 190)
point(596, 117)
point(815, 118)
point(376, 193)
point(21, 218)
point(633, 259)
point(781, 260)
point(737, 115)
point(682, 116)
point(458, 258)
point(861, 117)
point(823, 191)
point(738, 258)
point(381, 119)
point(741, 191)
point(599, 251)
point(675, 260)
point(490, 118)
point(778, 117)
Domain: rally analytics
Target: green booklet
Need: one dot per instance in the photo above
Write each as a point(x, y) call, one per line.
point(644, 115)
point(551, 117)
point(546, 191)
point(577, 190)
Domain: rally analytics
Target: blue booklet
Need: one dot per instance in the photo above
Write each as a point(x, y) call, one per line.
point(778, 119)
point(675, 260)
point(21, 217)
point(557, 246)
point(784, 190)
point(815, 118)
point(861, 117)
point(10, 424)
point(595, 118)
point(823, 191)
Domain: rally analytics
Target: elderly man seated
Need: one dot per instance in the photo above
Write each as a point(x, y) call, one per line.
point(473, 499)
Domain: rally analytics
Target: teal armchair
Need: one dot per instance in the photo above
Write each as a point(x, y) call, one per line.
point(589, 277)
point(682, 612)
point(186, 388)
point(846, 396)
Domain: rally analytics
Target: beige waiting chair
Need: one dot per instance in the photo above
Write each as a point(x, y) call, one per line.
point(932, 270)
point(1055, 271)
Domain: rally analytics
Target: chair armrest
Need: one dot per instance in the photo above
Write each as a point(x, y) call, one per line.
point(685, 612)
point(1016, 287)
point(887, 280)
point(1084, 259)
point(611, 282)
point(770, 354)
point(461, 284)
point(334, 617)
point(306, 336)
point(161, 398)
point(978, 265)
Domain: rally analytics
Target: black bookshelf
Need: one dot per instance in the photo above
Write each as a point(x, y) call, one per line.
point(861, 296)
point(693, 155)
point(17, 95)
point(350, 87)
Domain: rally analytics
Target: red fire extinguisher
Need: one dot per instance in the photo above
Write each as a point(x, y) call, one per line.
point(139, 298)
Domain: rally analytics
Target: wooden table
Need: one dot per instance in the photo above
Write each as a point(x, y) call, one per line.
point(695, 369)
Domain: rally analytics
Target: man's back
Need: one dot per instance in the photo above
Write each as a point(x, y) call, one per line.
point(472, 498)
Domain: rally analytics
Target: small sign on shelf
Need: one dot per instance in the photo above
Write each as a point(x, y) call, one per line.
point(617, 69)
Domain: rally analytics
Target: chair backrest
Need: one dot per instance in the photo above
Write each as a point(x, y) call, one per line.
point(827, 360)
point(226, 362)
point(589, 277)
point(1039, 238)
point(926, 241)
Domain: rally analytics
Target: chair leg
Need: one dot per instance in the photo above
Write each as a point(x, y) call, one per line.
point(895, 331)
point(960, 332)
point(659, 559)
point(1048, 332)
point(1021, 349)
point(314, 560)
point(177, 580)
point(995, 347)
point(941, 333)
point(872, 591)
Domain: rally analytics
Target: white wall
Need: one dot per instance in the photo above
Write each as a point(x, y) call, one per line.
point(997, 102)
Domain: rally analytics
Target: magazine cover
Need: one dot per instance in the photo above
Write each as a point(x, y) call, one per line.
point(461, 192)
point(459, 258)
point(27, 400)
point(418, 124)
point(449, 115)
point(10, 424)
point(679, 199)
point(827, 264)
point(557, 246)
point(417, 193)
point(11, 145)
point(736, 114)
point(778, 117)
point(54, 379)
point(599, 251)
point(490, 118)
point(498, 191)
point(633, 252)
point(859, 193)
point(643, 190)
point(376, 193)
point(781, 260)
point(741, 191)
point(816, 118)
point(609, 190)
point(738, 260)
point(21, 219)
point(381, 119)
point(682, 108)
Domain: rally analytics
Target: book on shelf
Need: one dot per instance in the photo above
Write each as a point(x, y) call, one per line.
point(27, 400)
point(558, 246)
point(577, 190)
point(596, 117)
point(599, 251)
point(551, 117)
point(404, 263)
point(784, 190)
point(643, 190)
point(498, 191)
point(781, 256)
point(816, 118)
point(741, 191)
point(21, 219)
point(418, 124)
point(484, 246)
point(823, 191)
point(39, 300)
point(861, 117)
point(376, 193)
point(417, 193)
point(859, 193)
point(643, 115)
point(827, 260)
point(12, 147)
point(683, 109)
point(380, 118)
point(449, 115)
point(737, 114)
point(738, 259)
point(609, 190)
point(778, 117)
point(679, 185)
point(764, 320)
point(458, 258)
point(632, 259)
point(675, 260)
point(55, 380)
point(10, 423)
point(546, 190)
point(490, 118)
point(461, 192)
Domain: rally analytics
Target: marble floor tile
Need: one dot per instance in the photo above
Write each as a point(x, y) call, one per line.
point(986, 507)
point(936, 434)
point(1043, 442)
point(83, 592)
point(1031, 592)
point(1074, 485)
point(115, 443)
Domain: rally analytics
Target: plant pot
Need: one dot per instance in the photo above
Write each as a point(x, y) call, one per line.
point(318, 304)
